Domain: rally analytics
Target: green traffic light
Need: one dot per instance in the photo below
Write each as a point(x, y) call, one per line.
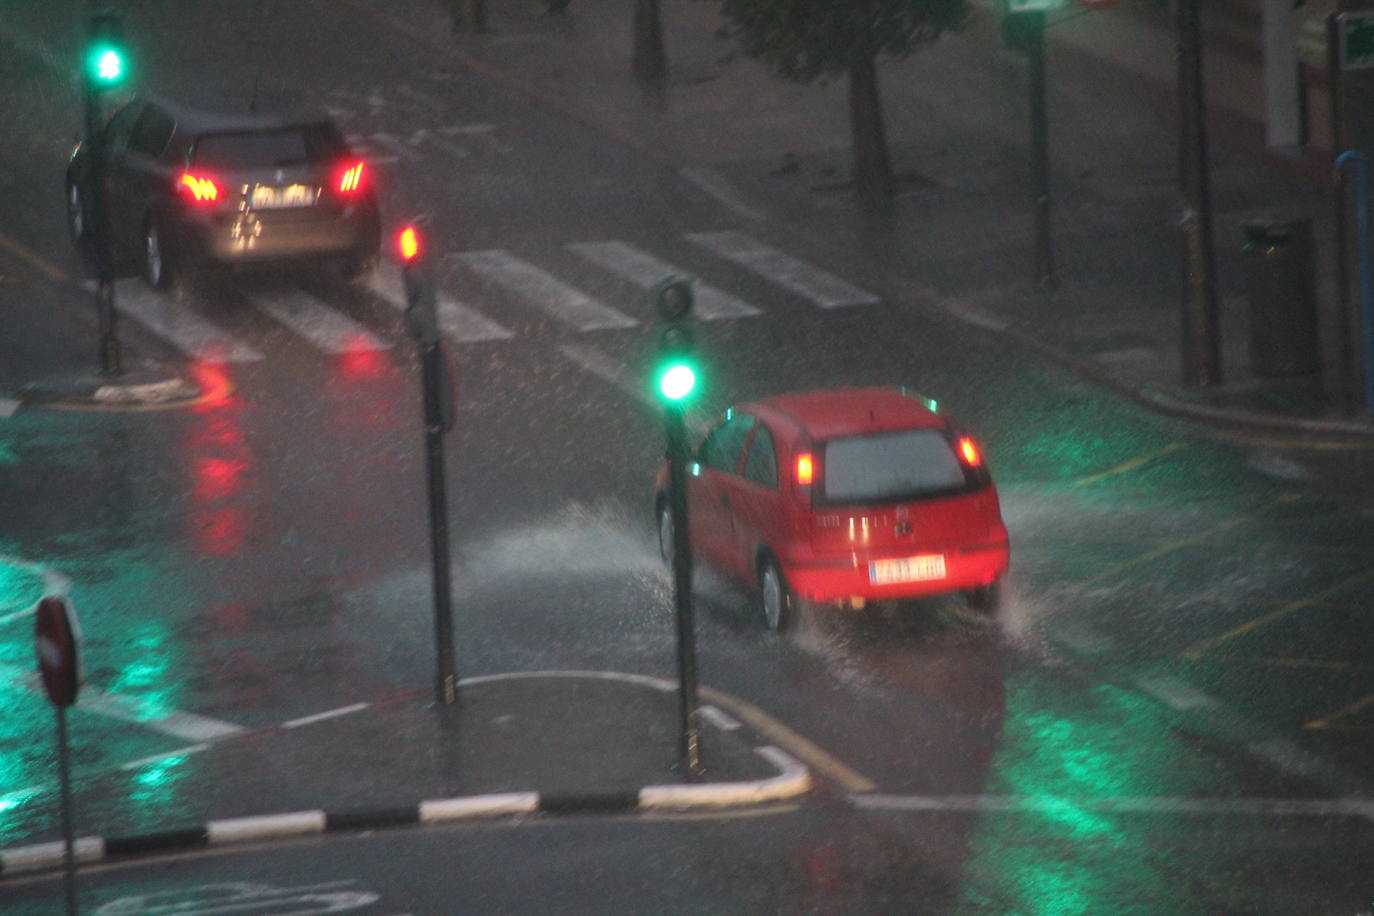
point(106, 64)
point(677, 381)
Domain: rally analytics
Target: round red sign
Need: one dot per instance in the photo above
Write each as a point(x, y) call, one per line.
point(56, 637)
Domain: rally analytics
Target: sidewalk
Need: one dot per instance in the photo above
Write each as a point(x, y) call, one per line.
point(960, 241)
point(518, 744)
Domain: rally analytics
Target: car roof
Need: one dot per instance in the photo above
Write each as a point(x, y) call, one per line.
point(831, 413)
point(193, 120)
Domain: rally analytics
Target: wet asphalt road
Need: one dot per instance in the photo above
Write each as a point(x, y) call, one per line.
point(1186, 626)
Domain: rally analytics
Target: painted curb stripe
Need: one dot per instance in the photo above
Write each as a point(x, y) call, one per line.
point(240, 829)
point(147, 843)
point(447, 809)
point(579, 802)
point(367, 819)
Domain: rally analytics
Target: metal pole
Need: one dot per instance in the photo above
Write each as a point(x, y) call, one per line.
point(1366, 268)
point(111, 362)
point(1040, 156)
point(690, 736)
point(1336, 92)
point(446, 684)
point(64, 774)
point(1199, 325)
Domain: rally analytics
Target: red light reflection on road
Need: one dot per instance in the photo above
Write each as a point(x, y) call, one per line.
point(220, 463)
point(361, 361)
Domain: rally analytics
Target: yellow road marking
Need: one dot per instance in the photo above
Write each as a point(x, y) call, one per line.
point(791, 741)
point(1329, 722)
point(1129, 465)
point(1200, 649)
point(24, 254)
point(1172, 546)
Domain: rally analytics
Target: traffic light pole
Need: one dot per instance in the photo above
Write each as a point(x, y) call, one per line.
point(689, 746)
point(433, 372)
point(111, 359)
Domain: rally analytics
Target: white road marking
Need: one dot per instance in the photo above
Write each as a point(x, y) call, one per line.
point(718, 718)
point(644, 270)
point(467, 130)
point(158, 758)
point(399, 147)
point(321, 325)
point(8, 407)
point(184, 725)
point(1258, 807)
point(544, 291)
point(806, 280)
point(711, 182)
point(973, 314)
point(178, 325)
point(322, 716)
point(457, 322)
point(1174, 692)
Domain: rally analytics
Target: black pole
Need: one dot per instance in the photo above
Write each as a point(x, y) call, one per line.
point(111, 361)
point(446, 685)
point(1199, 326)
point(648, 61)
point(689, 746)
point(1040, 154)
point(64, 774)
point(1346, 309)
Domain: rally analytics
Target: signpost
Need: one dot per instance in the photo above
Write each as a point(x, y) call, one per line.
point(57, 639)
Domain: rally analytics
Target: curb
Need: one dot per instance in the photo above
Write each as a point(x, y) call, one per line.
point(793, 779)
point(136, 390)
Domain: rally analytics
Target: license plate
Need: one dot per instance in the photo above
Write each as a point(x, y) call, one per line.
point(921, 568)
point(268, 197)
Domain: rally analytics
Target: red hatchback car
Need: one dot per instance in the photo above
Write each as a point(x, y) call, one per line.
point(843, 497)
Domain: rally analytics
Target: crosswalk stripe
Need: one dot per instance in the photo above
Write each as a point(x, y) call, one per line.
point(179, 326)
point(821, 287)
point(457, 322)
point(317, 322)
point(644, 270)
point(544, 291)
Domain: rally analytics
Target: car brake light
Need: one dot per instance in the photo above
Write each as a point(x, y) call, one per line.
point(806, 469)
point(968, 452)
point(351, 179)
point(199, 188)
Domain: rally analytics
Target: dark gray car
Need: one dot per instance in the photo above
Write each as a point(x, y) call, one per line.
point(186, 189)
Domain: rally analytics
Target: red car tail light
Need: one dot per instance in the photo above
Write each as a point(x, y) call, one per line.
point(351, 179)
point(198, 188)
point(969, 453)
point(803, 475)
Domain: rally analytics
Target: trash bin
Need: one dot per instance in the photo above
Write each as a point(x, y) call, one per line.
point(1280, 283)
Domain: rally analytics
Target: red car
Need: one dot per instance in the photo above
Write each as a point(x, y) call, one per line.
point(843, 497)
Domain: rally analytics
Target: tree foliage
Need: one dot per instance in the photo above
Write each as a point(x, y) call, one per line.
point(803, 40)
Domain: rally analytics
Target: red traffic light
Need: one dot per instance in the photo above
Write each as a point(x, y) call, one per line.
point(408, 243)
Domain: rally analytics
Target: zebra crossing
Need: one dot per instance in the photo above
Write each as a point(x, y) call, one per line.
point(524, 282)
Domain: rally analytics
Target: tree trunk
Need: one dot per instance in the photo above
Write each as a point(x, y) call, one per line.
point(872, 167)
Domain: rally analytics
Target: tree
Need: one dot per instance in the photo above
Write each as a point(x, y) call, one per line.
point(807, 40)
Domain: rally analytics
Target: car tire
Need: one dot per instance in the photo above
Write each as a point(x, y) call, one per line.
point(986, 599)
point(665, 532)
point(156, 264)
point(78, 215)
point(776, 601)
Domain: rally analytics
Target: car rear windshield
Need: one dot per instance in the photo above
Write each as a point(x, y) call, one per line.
point(269, 149)
point(890, 466)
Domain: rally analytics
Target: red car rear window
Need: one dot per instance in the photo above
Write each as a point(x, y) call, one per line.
point(890, 467)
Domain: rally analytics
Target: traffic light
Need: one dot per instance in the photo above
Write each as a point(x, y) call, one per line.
point(676, 373)
point(107, 64)
point(419, 288)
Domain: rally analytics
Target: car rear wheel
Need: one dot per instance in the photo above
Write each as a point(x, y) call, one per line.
point(775, 598)
point(157, 266)
point(986, 599)
point(78, 219)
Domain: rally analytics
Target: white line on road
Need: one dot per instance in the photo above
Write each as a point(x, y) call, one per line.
point(165, 755)
point(712, 183)
point(644, 270)
point(322, 716)
point(718, 718)
point(1174, 692)
point(8, 407)
point(316, 322)
point(806, 280)
point(458, 322)
point(544, 291)
point(178, 325)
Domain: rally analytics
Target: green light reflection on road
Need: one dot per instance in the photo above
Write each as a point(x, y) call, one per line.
point(1056, 856)
point(19, 589)
point(148, 676)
